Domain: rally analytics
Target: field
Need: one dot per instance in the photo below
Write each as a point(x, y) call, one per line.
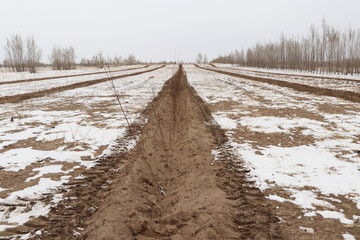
point(179, 152)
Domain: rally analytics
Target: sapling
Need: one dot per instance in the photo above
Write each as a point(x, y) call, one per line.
point(138, 147)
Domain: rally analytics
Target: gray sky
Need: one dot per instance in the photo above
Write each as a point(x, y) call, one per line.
point(166, 29)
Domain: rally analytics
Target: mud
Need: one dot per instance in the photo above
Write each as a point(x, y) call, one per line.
point(203, 198)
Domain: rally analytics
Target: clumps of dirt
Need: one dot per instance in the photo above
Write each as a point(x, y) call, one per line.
point(259, 140)
point(37, 145)
point(204, 199)
point(337, 109)
point(14, 181)
point(294, 222)
point(290, 113)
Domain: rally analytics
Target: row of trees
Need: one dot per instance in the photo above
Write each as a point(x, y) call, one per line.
point(201, 58)
point(325, 49)
point(22, 54)
point(100, 61)
point(62, 58)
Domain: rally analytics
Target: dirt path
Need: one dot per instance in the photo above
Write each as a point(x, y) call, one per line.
point(205, 199)
point(25, 96)
point(66, 76)
point(347, 95)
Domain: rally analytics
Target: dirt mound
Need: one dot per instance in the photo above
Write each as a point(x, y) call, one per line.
point(204, 199)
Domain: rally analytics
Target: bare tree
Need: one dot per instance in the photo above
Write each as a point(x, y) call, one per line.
point(205, 59)
point(15, 53)
point(56, 58)
point(63, 58)
point(33, 54)
point(327, 49)
point(130, 60)
point(117, 61)
point(68, 58)
point(99, 60)
point(199, 58)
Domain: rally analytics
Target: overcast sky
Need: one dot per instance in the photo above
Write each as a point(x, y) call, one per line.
point(166, 29)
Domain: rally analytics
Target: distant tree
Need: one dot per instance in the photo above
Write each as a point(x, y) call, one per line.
point(56, 58)
point(99, 60)
point(117, 61)
point(84, 62)
point(15, 53)
point(6, 63)
point(69, 58)
point(199, 58)
point(324, 49)
point(205, 59)
point(130, 60)
point(33, 54)
point(62, 58)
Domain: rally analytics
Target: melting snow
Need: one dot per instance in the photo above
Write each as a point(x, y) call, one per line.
point(225, 122)
point(348, 236)
point(93, 120)
point(308, 230)
point(45, 170)
point(328, 164)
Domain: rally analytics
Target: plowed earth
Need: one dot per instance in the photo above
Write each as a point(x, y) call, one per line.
point(204, 199)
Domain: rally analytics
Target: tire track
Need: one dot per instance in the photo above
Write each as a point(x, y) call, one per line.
point(346, 95)
point(25, 96)
point(66, 76)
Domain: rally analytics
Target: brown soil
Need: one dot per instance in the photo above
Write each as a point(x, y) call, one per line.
point(347, 95)
point(205, 199)
point(66, 76)
point(324, 228)
point(25, 96)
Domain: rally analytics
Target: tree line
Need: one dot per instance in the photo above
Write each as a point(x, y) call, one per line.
point(25, 55)
point(324, 49)
point(100, 61)
point(201, 58)
point(22, 54)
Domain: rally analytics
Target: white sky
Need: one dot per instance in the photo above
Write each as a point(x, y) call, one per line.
point(166, 29)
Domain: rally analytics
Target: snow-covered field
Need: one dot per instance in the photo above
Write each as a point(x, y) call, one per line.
point(299, 148)
point(28, 87)
point(352, 85)
point(7, 75)
point(54, 138)
point(292, 72)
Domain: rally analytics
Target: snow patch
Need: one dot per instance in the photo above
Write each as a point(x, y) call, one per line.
point(225, 122)
point(308, 230)
point(45, 170)
point(348, 236)
point(336, 215)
